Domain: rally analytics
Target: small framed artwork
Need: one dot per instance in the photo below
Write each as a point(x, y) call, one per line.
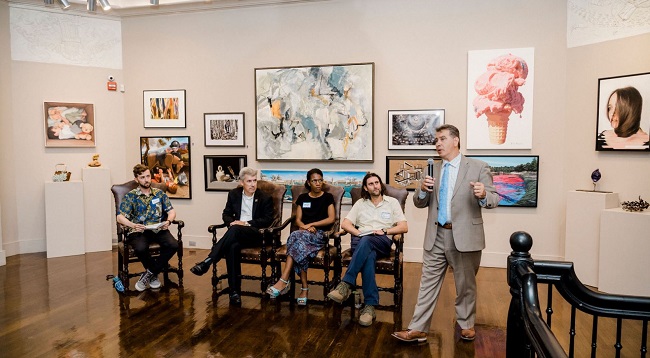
point(515, 178)
point(224, 129)
point(414, 129)
point(315, 113)
point(406, 171)
point(623, 123)
point(69, 125)
point(168, 158)
point(347, 179)
point(222, 171)
point(164, 109)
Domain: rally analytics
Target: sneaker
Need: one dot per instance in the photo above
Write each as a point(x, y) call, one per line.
point(340, 293)
point(154, 282)
point(143, 282)
point(367, 316)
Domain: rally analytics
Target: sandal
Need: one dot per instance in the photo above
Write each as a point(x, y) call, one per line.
point(302, 301)
point(274, 292)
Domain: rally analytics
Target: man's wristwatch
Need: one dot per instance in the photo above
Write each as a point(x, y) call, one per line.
point(385, 231)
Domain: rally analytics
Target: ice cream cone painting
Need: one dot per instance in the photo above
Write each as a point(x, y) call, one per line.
point(499, 114)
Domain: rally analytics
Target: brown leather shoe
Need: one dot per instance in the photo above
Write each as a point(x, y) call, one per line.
point(468, 334)
point(409, 335)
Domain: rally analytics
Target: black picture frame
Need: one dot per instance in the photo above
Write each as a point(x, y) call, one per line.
point(406, 171)
point(164, 108)
point(224, 129)
point(622, 134)
point(414, 129)
point(516, 184)
point(169, 164)
point(225, 179)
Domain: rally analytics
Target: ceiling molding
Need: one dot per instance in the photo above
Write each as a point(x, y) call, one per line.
point(134, 8)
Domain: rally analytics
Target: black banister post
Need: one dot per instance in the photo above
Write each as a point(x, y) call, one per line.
point(517, 344)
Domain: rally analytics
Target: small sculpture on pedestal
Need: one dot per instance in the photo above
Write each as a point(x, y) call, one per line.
point(635, 205)
point(95, 162)
point(595, 177)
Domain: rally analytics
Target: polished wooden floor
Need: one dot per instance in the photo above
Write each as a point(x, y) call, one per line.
point(64, 307)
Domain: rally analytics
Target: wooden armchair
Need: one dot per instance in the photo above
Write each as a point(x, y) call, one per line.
point(392, 265)
point(126, 254)
point(262, 255)
point(328, 258)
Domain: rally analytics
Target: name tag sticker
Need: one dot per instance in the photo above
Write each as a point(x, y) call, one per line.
point(306, 205)
point(385, 215)
point(155, 201)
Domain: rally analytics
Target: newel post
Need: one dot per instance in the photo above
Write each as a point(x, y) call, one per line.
point(517, 343)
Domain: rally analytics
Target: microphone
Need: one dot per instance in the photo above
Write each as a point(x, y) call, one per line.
point(430, 169)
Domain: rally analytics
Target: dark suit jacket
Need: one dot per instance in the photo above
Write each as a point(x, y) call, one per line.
point(262, 208)
point(465, 208)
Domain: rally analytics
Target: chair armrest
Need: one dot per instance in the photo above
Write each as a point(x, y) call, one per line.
point(180, 223)
point(273, 229)
point(213, 228)
point(398, 239)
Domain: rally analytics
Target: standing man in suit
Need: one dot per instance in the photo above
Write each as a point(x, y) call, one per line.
point(247, 210)
point(454, 235)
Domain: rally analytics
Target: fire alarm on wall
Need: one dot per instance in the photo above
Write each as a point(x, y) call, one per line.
point(111, 85)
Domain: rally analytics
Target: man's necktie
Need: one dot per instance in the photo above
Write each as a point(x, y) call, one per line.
point(443, 216)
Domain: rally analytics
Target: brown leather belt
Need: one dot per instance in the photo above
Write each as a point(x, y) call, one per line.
point(445, 226)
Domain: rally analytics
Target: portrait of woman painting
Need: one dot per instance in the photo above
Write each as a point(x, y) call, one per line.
point(623, 122)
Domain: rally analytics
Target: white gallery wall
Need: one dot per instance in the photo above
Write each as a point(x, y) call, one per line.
point(419, 48)
point(7, 193)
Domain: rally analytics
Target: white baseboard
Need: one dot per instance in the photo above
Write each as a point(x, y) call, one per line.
point(25, 247)
point(3, 258)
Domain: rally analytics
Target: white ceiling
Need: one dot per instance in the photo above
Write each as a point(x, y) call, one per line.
point(124, 8)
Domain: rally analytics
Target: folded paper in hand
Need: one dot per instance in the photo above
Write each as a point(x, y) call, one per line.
point(154, 226)
point(364, 233)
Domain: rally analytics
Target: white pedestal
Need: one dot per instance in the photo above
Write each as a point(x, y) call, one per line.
point(624, 247)
point(98, 205)
point(581, 245)
point(64, 218)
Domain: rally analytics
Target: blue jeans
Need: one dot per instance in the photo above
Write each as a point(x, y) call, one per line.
point(365, 251)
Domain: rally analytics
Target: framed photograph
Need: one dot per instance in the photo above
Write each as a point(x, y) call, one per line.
point(623, 123)
point(315, 113)
point(346, 179)
point(69, 125)
point(222, 171)
point(164, 109)
point(406, 171)
point(515, 178)
point(223, 129)
point(168, 158)
point(500, 98)
point(414, 129)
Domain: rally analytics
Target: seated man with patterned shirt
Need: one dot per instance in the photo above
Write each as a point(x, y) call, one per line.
point(141, 212)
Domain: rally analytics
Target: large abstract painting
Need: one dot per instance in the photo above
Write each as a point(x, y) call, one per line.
point(515, 178)
point(288, 178)
point(315, 113)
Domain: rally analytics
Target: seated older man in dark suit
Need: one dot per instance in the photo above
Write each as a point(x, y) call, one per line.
point(246, 211)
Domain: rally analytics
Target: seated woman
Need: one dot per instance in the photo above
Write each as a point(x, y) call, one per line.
point(314, 215)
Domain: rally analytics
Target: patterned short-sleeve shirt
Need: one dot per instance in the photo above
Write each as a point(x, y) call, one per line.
point(145, 209)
